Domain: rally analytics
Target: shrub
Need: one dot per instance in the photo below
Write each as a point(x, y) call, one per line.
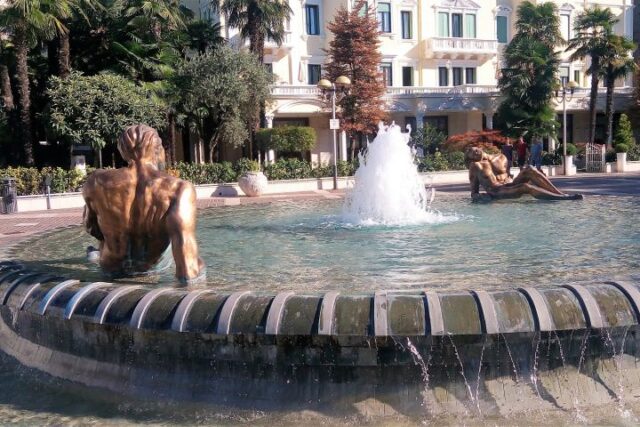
point(442, 162)
point(610, 155)
point(288, 169)
point(30, 181)
point(621, 148)
point(290, 139)
point(572, 150)
point(246, 165)
point(430, 138)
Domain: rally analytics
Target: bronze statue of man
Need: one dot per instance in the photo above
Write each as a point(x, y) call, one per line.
point(138, 211)
point(490, 172)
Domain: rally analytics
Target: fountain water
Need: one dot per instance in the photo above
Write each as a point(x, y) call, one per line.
point(388, 188)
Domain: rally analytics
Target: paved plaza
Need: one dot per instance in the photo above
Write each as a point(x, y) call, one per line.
point(18, 227)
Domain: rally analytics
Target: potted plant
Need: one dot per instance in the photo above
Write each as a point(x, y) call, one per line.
point(252, 181)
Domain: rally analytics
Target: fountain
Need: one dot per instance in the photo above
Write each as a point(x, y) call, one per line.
point(388, 188)
point(341, 311)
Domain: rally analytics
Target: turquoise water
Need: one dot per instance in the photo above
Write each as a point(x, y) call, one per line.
point(306, 246)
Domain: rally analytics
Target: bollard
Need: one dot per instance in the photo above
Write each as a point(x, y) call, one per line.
point(47, 189)
point(9, 195)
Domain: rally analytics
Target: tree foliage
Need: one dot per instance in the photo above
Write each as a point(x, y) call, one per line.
point(486, 139)
point(354, 52)
point(592, 29)
point(95, 109)
point(529, 78)
point(219, 93)
point(257, 20)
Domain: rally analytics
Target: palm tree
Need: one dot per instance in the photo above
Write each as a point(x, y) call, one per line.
point(80, 9)
point(618, 64)
point(257, 20)
point(592, 30)
point(155, 15)
point(28, 21)
point(528, 79)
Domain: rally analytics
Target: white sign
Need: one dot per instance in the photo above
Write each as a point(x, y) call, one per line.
point(334, 124)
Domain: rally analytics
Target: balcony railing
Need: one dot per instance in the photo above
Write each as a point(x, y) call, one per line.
point(442, 46)
point(286, 41)
point(310, 91)
point(442, 90)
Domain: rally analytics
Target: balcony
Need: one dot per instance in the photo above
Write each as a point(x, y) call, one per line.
point(286, 42)
point(454, 48)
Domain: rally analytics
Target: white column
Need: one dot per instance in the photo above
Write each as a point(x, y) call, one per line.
point(552, 143)
point(343, 146)
point(419, 120)
point(270, 156)
point(489, 119)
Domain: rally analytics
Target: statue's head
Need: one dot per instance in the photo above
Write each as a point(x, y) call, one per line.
point(472, 154)
point(141, 143)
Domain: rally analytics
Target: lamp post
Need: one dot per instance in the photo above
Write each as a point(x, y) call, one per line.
point(566, 87)
point(342, 84)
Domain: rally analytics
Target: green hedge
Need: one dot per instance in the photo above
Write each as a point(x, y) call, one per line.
point(289, 139)
point(440, 161)
point(29, 181)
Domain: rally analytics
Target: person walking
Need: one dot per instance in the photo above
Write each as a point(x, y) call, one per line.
point(521, 150)
point(536, 153)
point(507, 150)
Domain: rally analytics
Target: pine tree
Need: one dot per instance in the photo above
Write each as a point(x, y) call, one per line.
point(624, 133)
point(354, 52)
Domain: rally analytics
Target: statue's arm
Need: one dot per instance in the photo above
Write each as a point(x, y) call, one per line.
point(474, 181)
point(181, 223)
point(90, 217)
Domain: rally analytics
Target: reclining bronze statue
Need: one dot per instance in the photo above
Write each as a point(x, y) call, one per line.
point(139, 211)
point(490, 172)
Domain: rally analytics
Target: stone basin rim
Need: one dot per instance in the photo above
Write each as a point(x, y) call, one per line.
point(389, 313)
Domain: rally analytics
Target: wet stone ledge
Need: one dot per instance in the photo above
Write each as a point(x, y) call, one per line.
point(290, 350)
point(356, 318)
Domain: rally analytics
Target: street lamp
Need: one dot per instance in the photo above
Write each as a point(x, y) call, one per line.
point(341, 84)
point(566, 87)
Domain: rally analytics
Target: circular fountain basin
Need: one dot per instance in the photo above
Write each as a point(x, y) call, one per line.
point(299, 312)
point(308, 246)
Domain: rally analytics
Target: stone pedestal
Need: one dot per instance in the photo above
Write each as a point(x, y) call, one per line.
point(621, 162)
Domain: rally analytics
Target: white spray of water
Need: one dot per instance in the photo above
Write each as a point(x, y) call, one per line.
point(388, 189)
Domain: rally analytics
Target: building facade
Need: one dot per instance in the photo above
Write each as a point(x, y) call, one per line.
point(441, 61)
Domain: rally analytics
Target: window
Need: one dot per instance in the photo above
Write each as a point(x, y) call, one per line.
point(457, 76)
point(443, 76)
point(565, 26)
point(364, 10)
point(313, 73)
point(443, 24)
point(456, 25)
point(384, 17)
point(470, 26)
point(407, 76)
point(470, 76)
point(313, 19)
point(576, 76)
point(387, 73)
point(439, 122)
point(564, 74)
point(502, 29)
point(407, 32)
